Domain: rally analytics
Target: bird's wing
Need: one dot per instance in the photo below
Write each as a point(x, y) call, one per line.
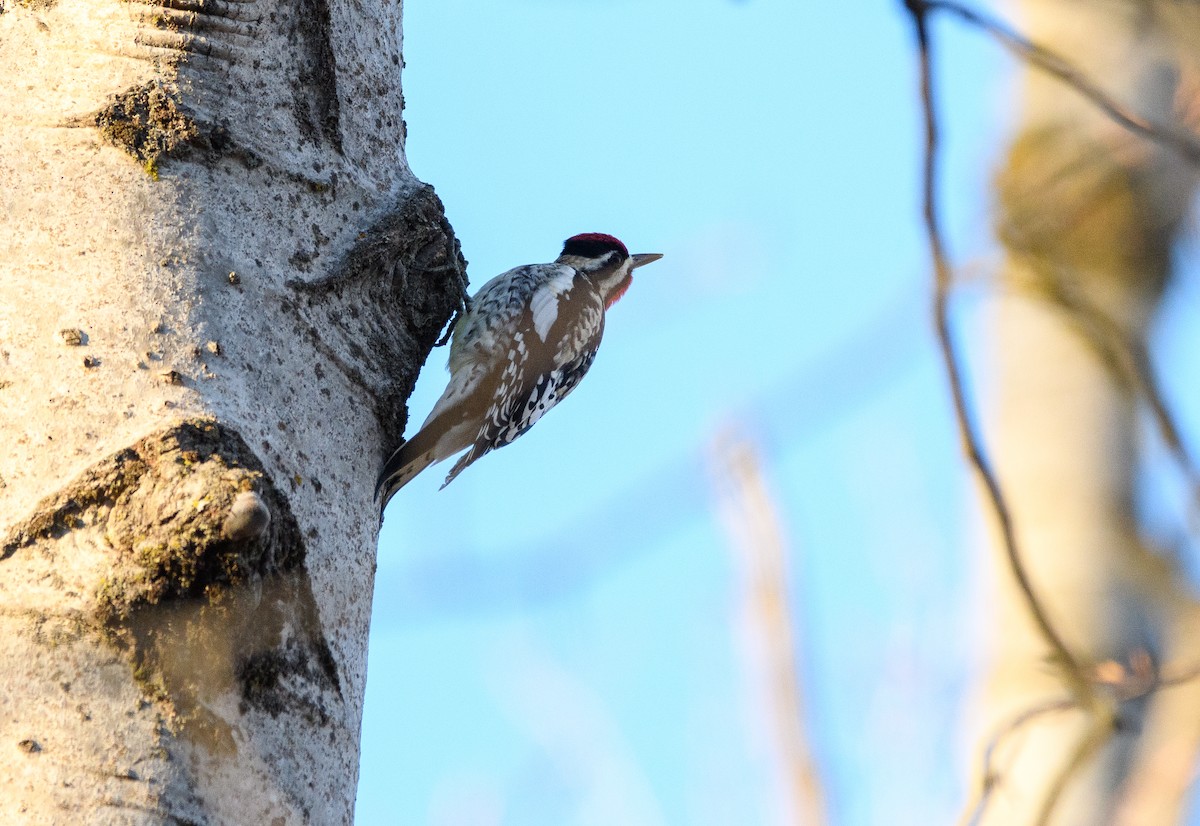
point(524, 411)
point(554, 345)
point(486, 339)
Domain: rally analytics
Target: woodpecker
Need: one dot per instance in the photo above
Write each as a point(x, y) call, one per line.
point(525, 342)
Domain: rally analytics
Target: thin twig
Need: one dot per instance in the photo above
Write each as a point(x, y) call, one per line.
point(1180, 677)
point(1186, 144)
point(991, 778)
point(1127, 356)
point(1077, 682)
point(1137, 682)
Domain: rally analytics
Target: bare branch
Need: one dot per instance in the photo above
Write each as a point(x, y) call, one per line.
point(1078, 684)
point(1139, 679)
point(1184, 143)
point(752, 522)
point(991, 778)
point(1180, 677)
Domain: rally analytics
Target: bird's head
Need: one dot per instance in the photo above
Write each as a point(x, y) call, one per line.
point(606, 261)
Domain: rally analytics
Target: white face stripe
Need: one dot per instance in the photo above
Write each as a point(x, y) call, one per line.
point(544, 304)
point(616, 278)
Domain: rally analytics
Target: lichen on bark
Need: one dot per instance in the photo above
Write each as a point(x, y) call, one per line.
point(201, 600)
point(147, 122)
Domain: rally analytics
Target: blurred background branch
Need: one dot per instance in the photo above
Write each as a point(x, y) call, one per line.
point(1087, 220)
point(972, 444)
point(1054, 64)
point(752, 523)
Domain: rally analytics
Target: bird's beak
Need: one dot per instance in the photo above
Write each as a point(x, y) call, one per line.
point(644, 258)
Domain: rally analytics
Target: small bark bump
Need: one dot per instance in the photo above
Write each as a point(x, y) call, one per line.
point(249, 517)
point(72, 336)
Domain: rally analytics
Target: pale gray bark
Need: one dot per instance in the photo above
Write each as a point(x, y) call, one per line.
point(218, 279)
point(1087, 214)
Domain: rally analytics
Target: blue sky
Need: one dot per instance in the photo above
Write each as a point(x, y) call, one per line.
point(555, 636)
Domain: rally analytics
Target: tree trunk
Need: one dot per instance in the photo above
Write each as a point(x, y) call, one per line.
point(1087, 214)
point(218, 280)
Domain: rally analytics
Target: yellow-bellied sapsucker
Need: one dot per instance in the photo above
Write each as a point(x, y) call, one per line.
point(527, 339)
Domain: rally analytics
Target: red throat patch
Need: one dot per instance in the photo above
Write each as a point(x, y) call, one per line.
point(616, 294)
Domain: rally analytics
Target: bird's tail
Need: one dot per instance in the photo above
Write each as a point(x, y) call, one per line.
point(476, 452)
point(410, 458)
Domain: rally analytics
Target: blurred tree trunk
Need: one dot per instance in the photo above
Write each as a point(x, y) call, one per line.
point(218, 280)
point(1087, 214)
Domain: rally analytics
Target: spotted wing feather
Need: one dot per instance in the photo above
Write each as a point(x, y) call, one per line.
point(546, 361)
point(523, 412)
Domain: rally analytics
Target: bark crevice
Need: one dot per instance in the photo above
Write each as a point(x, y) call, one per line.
point(387, 301)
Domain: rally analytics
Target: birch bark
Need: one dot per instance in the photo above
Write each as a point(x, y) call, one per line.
point(218, 280)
